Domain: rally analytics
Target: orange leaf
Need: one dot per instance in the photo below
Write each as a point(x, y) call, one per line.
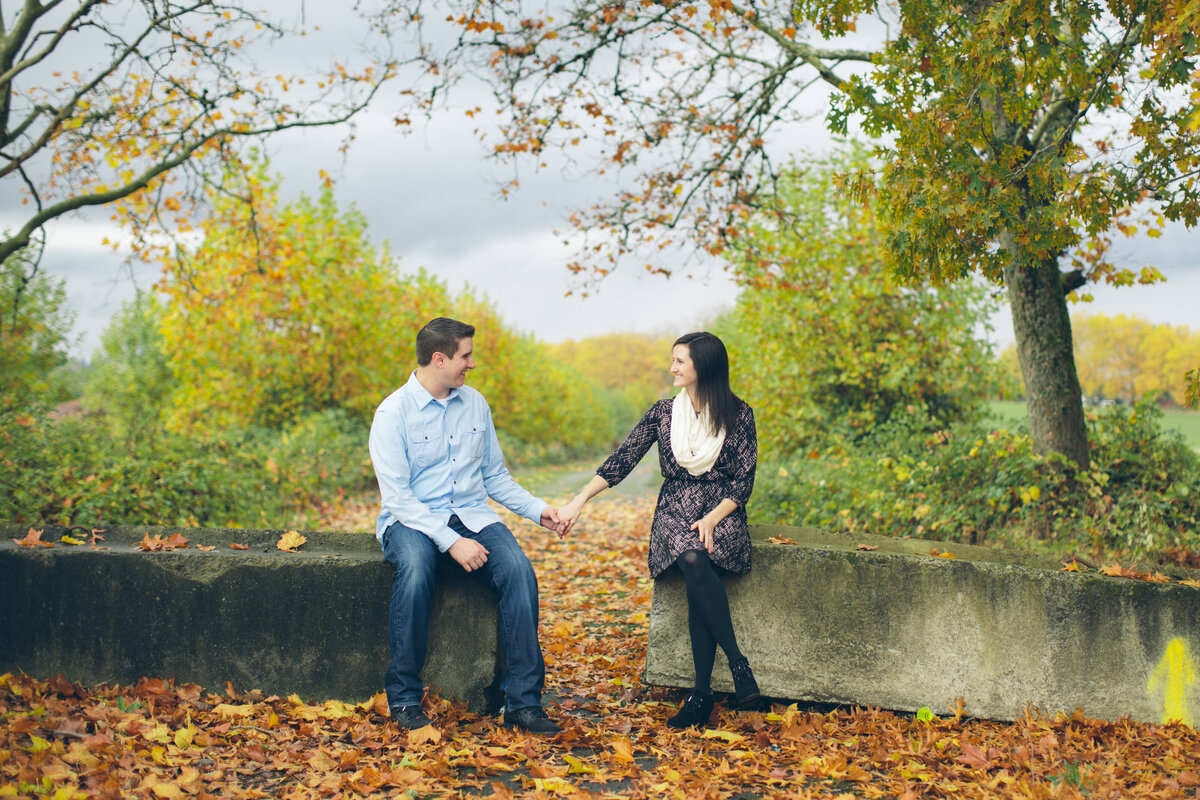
point(428, 734)
point(32, 539)
point(867, 547)
point(781, 540)
point(623, 750)
point(1073, 566)
point(237, 546)
point(205, 548)
point(1114, 570)
point(947, 554)
point(290, 541)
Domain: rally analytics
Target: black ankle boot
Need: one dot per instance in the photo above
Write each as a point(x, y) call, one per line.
point(745, 688)
point(695, 710)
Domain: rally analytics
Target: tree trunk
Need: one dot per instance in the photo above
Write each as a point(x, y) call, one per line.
point(1042, 327)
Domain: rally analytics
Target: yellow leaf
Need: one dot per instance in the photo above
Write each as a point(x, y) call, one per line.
point(554, 785)
point(428, 734)
point(184, 736)
point(162, 788)
point(159, 733)
point(71, 540)
point(622, 750)
point(577, 766)
point(728, 736)
point(290, 541)
point(238, 711)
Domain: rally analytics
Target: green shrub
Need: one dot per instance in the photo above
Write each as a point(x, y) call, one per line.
point(74, 472)
point(973, 484)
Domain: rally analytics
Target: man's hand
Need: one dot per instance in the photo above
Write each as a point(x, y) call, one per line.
point(550, 519)
point(470, 554)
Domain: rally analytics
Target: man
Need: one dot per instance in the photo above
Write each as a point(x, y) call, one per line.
point(437, 459)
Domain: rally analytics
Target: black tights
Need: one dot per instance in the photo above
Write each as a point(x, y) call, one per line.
point(709, 622)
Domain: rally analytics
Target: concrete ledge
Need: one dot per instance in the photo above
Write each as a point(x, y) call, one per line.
point(313, 623)
point(822, 621)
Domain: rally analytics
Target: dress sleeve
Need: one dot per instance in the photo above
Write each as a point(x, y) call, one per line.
point(617, 466)
point(745, 458)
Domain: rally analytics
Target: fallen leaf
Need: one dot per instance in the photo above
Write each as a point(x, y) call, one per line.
point(290, 541)
point(206, 547)
point(236, 546)
point(32, 539)
point(867, 547)
point(947, 554)
point(1073, 566)
point(622, 750)
point(728, 736)
point(781, 540)
point(428, 734)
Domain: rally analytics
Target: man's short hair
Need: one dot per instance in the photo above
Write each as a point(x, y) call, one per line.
point(441, 335)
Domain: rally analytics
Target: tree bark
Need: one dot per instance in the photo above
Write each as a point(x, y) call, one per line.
point(1045, 349)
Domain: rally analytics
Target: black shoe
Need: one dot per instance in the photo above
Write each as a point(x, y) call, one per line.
point(695, 710)
point(745, 688)
point(532, 719)
point(409, 718)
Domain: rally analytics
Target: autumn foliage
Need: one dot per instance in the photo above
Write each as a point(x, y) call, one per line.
point(161, 739)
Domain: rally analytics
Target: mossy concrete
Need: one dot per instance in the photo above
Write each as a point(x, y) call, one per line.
point(895, 627)
point(312, 623)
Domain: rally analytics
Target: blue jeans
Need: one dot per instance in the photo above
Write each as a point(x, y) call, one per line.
point(507, 573)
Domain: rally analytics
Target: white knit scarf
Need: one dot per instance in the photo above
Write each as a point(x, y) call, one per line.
point(693, 442)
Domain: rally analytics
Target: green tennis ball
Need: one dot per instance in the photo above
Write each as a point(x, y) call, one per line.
point(924, 714)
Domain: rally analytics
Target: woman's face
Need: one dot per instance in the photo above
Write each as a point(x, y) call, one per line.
point(682, 367)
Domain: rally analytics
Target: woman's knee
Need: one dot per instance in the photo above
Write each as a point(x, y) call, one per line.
point(693, 561)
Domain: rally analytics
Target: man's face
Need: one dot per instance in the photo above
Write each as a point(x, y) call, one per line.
point(453, 370)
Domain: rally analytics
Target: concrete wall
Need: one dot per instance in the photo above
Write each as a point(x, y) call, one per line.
point(313, 623)
point(896, 628)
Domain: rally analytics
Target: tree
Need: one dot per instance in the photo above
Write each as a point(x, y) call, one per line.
point(130, 381)
point(34, 325)
point(826, 342)
point(1127, 358)
point(284, 310)
point(1015, 136)
point(142, 101)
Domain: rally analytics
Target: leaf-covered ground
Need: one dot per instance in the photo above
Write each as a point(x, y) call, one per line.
point(157, 739)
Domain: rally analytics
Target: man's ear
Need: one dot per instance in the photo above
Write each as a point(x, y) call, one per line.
point(439, 359)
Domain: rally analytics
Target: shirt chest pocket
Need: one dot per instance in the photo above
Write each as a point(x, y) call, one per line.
point(471, 442)
point(425, 448)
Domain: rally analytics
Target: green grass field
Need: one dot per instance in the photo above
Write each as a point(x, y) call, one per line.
point(1186, 422)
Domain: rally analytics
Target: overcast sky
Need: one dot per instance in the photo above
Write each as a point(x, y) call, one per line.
point(433, 196)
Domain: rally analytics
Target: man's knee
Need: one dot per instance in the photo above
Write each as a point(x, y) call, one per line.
point(412, 554)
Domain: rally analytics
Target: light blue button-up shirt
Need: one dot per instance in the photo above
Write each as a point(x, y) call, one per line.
point(435, 459)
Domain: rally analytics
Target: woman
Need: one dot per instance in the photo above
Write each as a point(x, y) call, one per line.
point(708, 451)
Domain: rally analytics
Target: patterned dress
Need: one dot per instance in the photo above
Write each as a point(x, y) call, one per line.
point(685, 498)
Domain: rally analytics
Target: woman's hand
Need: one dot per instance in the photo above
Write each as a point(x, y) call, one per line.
point(705, 526)
point(569, 513)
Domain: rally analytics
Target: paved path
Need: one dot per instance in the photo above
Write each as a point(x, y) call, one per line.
point(563, 483)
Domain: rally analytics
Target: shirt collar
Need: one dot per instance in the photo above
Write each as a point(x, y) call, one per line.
point(421, 395)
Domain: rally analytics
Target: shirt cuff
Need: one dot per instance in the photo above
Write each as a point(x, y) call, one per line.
point(537, 507)
point(444, 538)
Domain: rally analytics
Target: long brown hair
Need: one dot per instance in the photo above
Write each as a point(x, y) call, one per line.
point(713, 394)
